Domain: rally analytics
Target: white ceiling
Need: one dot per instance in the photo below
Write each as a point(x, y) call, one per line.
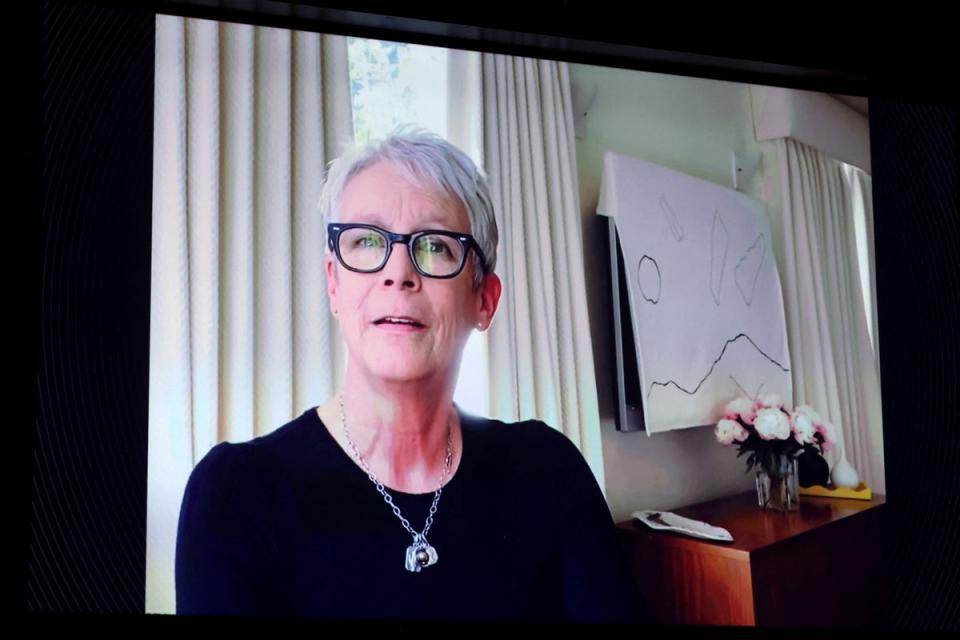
point(857, 103)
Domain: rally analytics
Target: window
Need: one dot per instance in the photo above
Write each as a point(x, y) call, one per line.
point(859, 183)
point(395, 83)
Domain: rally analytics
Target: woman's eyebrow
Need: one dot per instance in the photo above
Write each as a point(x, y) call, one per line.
point(377, 218)
point(436, 223)
point(369, 217)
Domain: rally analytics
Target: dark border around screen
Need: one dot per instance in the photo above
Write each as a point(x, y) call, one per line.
point(82, 511)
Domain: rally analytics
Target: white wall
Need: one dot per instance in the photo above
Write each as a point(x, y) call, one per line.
point(691, 125)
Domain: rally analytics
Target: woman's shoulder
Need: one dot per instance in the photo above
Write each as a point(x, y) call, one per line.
point(530, 429)
point(279, 449)
point(527, 437)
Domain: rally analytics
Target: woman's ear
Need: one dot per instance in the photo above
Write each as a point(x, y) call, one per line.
point(489, 294)
point(331, 270)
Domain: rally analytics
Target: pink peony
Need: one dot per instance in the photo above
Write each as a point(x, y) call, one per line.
point(772, 424)
point(741, 407)
point(803, 428)
point(829, 433)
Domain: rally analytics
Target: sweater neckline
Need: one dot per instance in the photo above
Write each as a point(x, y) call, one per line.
point(466, 435)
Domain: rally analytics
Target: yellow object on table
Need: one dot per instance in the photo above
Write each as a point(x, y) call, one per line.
point(862, 492)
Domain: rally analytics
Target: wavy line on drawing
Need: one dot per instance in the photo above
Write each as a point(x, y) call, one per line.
point(713, 366)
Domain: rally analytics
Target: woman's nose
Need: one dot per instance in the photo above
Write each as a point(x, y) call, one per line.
point(399, 269)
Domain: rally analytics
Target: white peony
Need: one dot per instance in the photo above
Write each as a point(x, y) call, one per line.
point(729, 430)
point(741, 433)
point(769, 401)
point(803, 428)
point(772, 424)
point(739, 407)
point(726, 431)
point(808, 411)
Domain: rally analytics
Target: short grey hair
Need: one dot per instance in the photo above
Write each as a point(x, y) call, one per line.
point(428, 160)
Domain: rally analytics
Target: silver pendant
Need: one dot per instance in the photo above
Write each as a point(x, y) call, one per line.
point(420, 554)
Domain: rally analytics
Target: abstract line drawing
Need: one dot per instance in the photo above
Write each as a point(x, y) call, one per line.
point(747, 271)
point(719, 241)
point(648, 279)
point(712, 366)
point(701, 275)
point(673, 221)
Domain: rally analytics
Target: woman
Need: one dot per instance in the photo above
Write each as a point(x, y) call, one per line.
point(339, 512)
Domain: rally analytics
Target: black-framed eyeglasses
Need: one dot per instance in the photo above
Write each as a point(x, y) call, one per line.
point(435, 253)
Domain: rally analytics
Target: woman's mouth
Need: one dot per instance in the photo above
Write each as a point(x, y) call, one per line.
point(399, 323)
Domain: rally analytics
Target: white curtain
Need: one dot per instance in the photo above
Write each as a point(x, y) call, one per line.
point(861, 189)
point(540, 353)
point(241, 340)
point(834, 364)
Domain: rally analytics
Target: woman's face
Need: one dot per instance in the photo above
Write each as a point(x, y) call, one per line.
point(444, 311)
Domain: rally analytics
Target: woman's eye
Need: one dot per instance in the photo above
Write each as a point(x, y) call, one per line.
point(437, 246)
point(369, 241)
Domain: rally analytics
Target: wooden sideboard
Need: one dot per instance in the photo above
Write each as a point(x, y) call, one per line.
point(820, 566)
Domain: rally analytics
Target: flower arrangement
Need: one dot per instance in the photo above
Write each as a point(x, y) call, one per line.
point(771, 434)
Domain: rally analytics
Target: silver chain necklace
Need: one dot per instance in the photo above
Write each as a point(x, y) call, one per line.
point(420, 553)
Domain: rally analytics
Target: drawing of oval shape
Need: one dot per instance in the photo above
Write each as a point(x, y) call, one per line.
point(747, 271)
point(719, 243)
point(649, 280)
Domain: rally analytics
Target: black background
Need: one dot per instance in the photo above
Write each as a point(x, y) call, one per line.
point(84, 177)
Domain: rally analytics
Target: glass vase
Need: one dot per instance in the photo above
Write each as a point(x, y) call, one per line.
point(777, 485)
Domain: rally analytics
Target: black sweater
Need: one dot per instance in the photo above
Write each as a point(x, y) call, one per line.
point(287, 524)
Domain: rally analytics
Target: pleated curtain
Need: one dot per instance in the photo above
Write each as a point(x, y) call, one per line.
point(833, 357)
point(539, 346)
point(241, 340)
